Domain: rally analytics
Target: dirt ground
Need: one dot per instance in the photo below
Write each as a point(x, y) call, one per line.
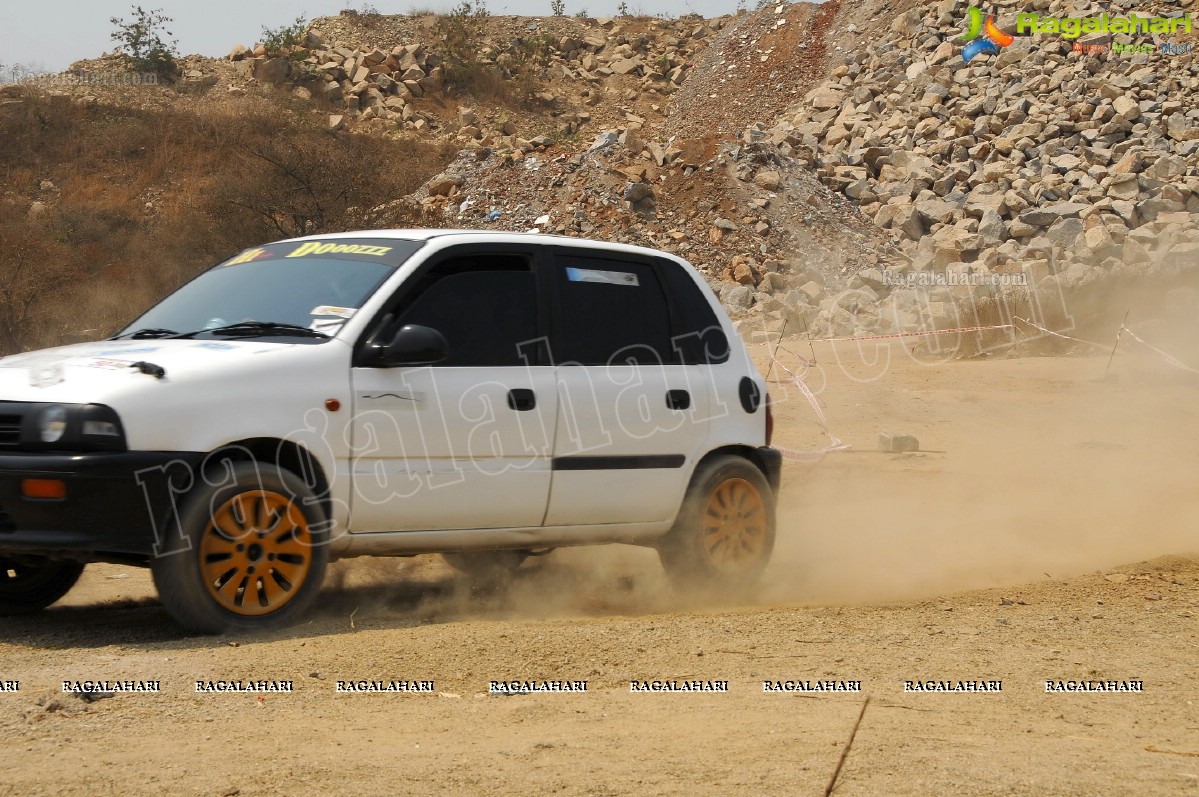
point(1046, 531)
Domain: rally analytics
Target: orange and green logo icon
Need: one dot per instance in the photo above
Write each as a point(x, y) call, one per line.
point(983, 37)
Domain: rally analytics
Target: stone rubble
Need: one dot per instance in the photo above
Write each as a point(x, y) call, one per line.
point(1060, 167)
point(832, 170)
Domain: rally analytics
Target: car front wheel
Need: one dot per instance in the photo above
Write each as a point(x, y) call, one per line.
point(251, 553)
point(30, 584)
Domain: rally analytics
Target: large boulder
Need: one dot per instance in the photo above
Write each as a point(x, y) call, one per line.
point(1046, 216)
point(271, 70)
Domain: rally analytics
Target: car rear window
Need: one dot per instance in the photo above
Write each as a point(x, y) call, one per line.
point(610, 312)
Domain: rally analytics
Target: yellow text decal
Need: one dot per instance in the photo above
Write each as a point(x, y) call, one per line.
point(318, 248)
point(246, 256)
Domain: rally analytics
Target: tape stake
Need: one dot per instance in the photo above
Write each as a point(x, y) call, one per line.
point(834, 444)
point(1115, 345)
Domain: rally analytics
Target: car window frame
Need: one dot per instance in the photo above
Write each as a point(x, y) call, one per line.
point(652, 262)
point(406, 291)
point(704, 295)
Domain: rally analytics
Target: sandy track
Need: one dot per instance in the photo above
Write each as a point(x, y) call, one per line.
point(1002, 558)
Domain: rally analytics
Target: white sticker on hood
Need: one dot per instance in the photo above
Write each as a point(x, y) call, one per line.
point(104, 362)
point(33, 359)
point(46, 374)
point(44, 369)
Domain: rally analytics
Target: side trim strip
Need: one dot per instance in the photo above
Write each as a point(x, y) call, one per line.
point(619, 463)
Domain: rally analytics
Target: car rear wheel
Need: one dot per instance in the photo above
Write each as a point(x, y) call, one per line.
point(724, 533)
point(250, 554)
point(29, 584)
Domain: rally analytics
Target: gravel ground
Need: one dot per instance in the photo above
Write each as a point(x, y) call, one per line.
point(996, 553)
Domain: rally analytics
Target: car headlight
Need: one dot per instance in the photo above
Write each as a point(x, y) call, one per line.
point(52, 424)
point(70, 427)
point(101, 429)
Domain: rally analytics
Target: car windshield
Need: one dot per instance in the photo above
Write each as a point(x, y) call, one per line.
point(304, 290)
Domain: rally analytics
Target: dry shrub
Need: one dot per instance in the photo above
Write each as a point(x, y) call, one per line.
point(305, 180)
point(145, 199)
point(514, 77)
point(33, 266)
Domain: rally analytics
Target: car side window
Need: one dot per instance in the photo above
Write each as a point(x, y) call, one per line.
point(610, 312)
point(484, 305)
point(698, 336)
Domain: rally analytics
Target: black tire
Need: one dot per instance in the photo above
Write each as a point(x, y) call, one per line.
point(229, 570)
point(724, 534)
point(28, 585)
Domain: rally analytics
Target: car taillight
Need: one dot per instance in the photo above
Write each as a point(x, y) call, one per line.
point(769, 420)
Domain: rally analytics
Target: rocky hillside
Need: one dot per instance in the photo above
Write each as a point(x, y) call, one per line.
point(837, 168)
point(1056, 161)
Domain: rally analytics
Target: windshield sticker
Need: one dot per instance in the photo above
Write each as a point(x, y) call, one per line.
point(247, 256)
point(388, 251)
point(329, 326)
point(340, 312)
point(608, 277)
point(318, 248)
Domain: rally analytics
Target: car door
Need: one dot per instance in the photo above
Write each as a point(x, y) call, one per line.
point(466, 442)
point(632, 416)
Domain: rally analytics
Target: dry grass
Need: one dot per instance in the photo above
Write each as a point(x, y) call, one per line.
point(143, 200)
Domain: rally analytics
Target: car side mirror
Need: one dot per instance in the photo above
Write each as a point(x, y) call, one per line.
point(412, 344)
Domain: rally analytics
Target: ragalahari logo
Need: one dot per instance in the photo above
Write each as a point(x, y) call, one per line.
point(983, 37)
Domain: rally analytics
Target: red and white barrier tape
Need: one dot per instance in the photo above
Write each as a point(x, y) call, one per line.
point(835, 444)
point(1171, 359)
point(893, 336)
point(913, 334)
point(1102, 346)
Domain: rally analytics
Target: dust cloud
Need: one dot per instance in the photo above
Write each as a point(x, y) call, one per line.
point(1033, 468)
point(592, 581)
point(1044, 469)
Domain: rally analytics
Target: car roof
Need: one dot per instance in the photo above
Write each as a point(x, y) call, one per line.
point(491, 236)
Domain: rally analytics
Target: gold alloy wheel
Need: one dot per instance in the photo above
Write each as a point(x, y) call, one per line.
point(255, 553)
point(734, 526)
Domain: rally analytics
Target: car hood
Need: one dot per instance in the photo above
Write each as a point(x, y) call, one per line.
point(99, 371)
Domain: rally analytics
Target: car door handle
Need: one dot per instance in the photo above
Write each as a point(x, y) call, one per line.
point(521, 399)
point(678, 399)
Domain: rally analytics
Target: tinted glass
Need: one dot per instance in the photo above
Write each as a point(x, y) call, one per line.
point(295, 283)
point(484, 315)
point(699, 338)
point(610, 312)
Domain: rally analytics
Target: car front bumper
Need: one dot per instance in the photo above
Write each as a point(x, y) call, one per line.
point(116, 505)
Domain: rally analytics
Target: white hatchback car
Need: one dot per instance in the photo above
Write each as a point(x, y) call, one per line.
point(476, 394)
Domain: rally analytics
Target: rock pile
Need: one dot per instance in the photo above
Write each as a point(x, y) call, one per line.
point(377, 84)
point(836, 167)
point(1055, 162)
